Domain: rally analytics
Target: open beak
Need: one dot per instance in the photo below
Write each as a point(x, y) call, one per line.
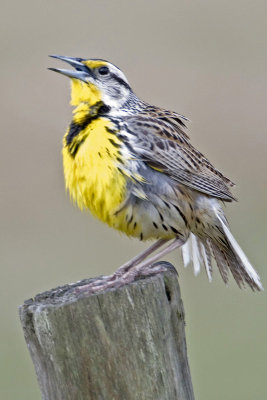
point(81, 72)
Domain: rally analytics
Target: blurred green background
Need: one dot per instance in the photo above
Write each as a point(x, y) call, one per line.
point(204, 59)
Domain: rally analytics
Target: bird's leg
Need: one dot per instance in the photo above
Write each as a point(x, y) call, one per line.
point(131, 263)
point(133, 268)
point(143, 268)
point(137, 259)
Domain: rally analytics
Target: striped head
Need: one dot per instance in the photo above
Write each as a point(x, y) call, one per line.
point(95, 80)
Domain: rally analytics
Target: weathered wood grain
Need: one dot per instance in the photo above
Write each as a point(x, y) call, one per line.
point(122, 344)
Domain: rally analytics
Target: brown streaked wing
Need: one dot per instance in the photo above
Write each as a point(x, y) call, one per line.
point(159, 139)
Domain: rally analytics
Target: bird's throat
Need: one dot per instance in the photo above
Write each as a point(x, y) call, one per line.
point(82, 92)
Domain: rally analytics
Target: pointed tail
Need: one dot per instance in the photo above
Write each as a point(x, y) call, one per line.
point(227, 254)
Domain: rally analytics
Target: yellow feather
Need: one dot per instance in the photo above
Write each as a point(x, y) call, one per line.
point(84, 92)
point(92, 64)
point(92, 177)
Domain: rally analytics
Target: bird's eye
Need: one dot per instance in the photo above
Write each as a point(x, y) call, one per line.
point(103, 71)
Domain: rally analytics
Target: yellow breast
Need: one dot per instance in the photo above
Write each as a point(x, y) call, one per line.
point(91, 175)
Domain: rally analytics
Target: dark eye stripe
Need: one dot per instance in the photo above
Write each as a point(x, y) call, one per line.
point(120, 81)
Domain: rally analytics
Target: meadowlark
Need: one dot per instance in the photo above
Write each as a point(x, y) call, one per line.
point(133, 166)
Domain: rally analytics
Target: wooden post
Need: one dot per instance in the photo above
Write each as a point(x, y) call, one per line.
point(121, 344)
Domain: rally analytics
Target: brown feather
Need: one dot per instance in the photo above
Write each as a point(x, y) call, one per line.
point(160, 139)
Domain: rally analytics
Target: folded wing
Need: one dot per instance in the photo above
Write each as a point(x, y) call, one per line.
point(159, 139)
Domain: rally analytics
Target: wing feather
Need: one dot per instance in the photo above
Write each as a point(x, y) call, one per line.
point(158, 138)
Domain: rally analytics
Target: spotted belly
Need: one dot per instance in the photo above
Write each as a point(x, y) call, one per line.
point(146, 220)
point(122, 191)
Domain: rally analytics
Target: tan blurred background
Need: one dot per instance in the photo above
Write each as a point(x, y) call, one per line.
point(205, 59)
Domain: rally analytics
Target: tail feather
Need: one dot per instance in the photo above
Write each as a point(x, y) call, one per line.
point(239, 261)
point(206, 255)
point(251, 274)
point(199, 253)
point(191, 252)
point(221, 261)
point(186, 253)
point(228, 256)
point(196, 255)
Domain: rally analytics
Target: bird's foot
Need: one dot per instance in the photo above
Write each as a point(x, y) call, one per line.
point(122, 277)
point(139, 266)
